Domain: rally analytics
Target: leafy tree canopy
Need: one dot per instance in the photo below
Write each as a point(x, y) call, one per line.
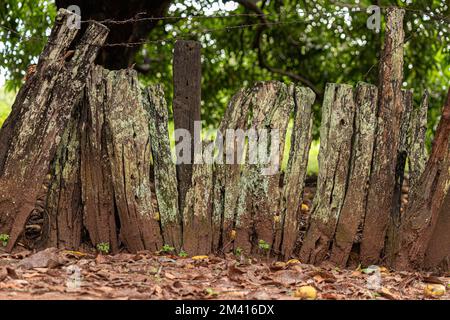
point(311, 42)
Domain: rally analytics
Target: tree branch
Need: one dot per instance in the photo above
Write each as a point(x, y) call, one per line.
point(250, 5)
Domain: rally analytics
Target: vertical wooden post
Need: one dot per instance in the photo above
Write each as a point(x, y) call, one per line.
point(390, 110)
point(186, 103)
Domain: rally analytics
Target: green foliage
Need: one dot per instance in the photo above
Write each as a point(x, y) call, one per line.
point(167, 249)
point(25, 25)
point(183, 254)
point(315, 39)
point(238, 252)
point(263, 245)
point(6, 101)
point(103, 247)
point(4, 238)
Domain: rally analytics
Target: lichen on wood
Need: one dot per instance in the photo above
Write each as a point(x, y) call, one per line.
point(336, 133)
point(31, 134)
point(422, 213)
point(353, 211)
point(197, 214)
point(295, 173)
point(418, 155)
point(163, 166)
point(389, 114)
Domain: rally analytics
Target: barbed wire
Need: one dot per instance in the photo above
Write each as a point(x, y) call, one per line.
point(137, 18)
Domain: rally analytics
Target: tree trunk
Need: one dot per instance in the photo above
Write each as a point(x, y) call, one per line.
point(31, 134)
point(390, 109)
point(119, 57)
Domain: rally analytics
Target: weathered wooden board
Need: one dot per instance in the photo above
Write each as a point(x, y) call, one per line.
point(163, 166)
point(336, 134)
point(187, 76)
point(402, 153)
point(96, 172)
point(64, 200)
point(422, 213)
point(295, 173)
point(226, 176)
point(30, 136)
point(353, 211)
point(417, 157)
point(389, 114)
point(197, 215)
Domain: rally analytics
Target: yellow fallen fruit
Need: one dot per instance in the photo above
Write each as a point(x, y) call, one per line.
point(306, 293)
point(434, 290)
point(305, 207)
point(276, 219)
point(199, 257)
point(292, 261)
point(233, 234)
point(280, 264)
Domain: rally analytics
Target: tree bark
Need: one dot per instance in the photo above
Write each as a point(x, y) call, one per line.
point(390, 109)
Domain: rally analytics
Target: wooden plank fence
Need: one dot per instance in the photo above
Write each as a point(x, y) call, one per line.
point(103, 173)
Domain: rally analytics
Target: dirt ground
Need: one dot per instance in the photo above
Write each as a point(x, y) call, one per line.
point(59, 274)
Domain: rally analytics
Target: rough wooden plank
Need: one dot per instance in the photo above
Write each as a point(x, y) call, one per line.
point(186, 102)
point(95, 173)
point(426, 202)
point(30, 136)
point(334, 165)
point(354, 207)
point(418, 156)
point(226, 176)
point(257, 215)
point(295, 173)
point(64, 201)
point(197, 215)
point(128, 144)
point(163, 166)
point(390, 109)
point(402, 153)
point(437, 256)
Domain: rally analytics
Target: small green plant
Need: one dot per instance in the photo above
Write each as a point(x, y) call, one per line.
point(211, 292)
point(4, 238)
point(238, 252)
point(263, 245)
point(103, 247)
point(183, 254)
point(167, 249)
